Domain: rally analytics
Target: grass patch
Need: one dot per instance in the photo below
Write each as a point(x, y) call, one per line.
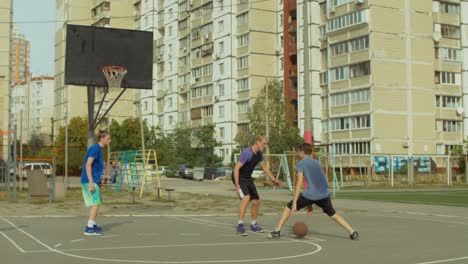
point(448, 198)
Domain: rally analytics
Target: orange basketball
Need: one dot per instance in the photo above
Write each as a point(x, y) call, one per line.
point(300, 229)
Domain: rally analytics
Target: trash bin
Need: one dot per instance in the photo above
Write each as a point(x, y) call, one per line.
point(198, 173)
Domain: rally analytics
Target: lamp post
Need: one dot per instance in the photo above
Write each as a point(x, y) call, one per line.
point(66, 150)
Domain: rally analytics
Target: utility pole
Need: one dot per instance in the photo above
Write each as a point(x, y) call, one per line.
point(267, 121)
point(66, 150)
point(308, 136)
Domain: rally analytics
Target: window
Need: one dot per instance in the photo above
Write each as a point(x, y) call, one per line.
point(243, 128)
point(340, 2)
point(170, 85)
point(352, 148)
point(207, 111)
point(169, 31)
point(281, 41)
point(221, 68)
point(340, 73)
point(448, 54)
point(170, 12)
point(449, 8)
point(449, 31)
point(339, 99)
point(281, 20)
point(183, 24)
point(360, 121)
point(202, 71)
point(243, 62)
point(202, 91)
point(346, 20)
point(359, 44)
point(243, 40)
point(339, 48)
point(359, 69)
point(221, 26)
point(447, 78)
point(451, 102)
point(243, 2)
point(243, 107)
point(451, 126)
point(221, 133)
point(169, 102)
point(221, 47)
point(221, 111)
point(360, 96)
point(243, 19)
point(221, 89)
point(243, 84)
point(221, 5)
point(281, 61)
point(323, 78)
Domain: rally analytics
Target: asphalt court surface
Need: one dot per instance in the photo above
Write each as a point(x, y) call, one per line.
point(386, 237)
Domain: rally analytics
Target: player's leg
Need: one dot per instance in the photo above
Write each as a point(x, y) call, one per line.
point(301, 203)
point(245, 199)
point(255, 207)
point(327, 208)
point(92, 200)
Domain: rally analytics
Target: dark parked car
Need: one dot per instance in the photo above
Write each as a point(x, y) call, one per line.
point(186, 171)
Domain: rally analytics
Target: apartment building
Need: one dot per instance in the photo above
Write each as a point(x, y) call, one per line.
point(5, 47)
point(41, 107)
point(393, 87)
point(20, 111)
point(211, 61)
point(71, 100)
point(20, 57)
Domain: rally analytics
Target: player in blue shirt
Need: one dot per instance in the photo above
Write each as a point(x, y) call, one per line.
point(315, 192)
point(245, 185)
point(93, 167)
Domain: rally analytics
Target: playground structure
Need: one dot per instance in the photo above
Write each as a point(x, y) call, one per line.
point(133, 170)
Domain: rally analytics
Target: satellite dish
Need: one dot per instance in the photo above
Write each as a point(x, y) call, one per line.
point(460, 110)
point(437, 36)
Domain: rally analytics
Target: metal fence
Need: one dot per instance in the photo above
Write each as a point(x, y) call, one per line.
point(394, 170)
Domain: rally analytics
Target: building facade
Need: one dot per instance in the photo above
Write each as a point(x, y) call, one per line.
point(20, 57)
point(394, 87)
point(5, 47)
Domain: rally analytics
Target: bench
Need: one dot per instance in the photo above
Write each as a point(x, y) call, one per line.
point(168, 190)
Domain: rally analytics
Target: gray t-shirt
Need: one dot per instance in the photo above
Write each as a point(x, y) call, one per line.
point(315, 183)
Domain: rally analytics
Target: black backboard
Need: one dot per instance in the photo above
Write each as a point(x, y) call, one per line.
point(90, 48)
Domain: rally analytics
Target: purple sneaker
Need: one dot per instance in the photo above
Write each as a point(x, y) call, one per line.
point(256, 228)
point(241, 230)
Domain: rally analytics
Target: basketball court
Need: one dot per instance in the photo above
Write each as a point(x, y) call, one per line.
point(386, 237)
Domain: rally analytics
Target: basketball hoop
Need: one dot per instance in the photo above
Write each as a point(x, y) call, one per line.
point(114, 75)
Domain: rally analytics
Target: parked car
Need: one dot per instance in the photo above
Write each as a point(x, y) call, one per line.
point(258, 173)
point(30, 166)
point(163, 170)
point(223, 172)
point(186, 171)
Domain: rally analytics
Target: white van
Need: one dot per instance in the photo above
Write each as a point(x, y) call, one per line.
point(30, 166)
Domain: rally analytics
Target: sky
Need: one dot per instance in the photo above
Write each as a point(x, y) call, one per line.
point(40, 35)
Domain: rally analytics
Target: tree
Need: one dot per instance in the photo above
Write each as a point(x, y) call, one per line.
point(283, 133)
point(77, 144)
point(127, 135)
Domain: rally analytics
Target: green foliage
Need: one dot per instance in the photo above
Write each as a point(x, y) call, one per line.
point(77, 144)
point(127, 135)
point(283, 133)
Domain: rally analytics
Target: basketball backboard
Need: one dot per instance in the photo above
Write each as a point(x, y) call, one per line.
point(89, 48)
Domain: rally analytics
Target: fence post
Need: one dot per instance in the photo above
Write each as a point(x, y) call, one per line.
point(410, 171)
point(466, 171)
point(448, 171)
point(369, 166)
point(391, 170)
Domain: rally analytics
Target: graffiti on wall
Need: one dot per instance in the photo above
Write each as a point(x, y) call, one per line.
point(420, 164)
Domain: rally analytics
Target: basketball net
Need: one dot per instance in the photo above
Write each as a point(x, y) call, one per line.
point(114, 75)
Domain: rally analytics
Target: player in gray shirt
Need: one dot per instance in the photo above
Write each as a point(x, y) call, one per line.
point(315, 191)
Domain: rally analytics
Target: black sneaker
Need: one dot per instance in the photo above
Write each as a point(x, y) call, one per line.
point(274, 234)
point(354, 236)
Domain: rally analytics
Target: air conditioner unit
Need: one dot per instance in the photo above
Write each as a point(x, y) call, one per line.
point(405, 144)
point(207, 36)
point(359, 1)
point(437, 36)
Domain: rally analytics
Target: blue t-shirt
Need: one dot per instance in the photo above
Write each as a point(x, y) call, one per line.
point(317, 185)
point(97, 167)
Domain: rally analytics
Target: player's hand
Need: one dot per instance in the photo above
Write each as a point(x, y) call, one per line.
point(92, 188)
point(294, 207)
point(238, 190)
point(309, 210)
point(278, 183)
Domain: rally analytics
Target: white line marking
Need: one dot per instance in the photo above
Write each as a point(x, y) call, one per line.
point(58, 245)
point(131, 215)
point(443, 260)
point(13, 242)
point(76, 240)
point(189, 234)
point(148, 234)
point(109, 236)
point(165, 246)
point(318, 248)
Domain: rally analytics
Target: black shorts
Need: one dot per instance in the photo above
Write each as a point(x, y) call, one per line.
point(247, 187)
point(325, 204)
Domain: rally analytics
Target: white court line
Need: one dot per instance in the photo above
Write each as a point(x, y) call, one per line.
point(13, 242)
point(425, 214)
point(189, 234)
point(443, 260)
point(149, 234)
point(109, 236)
point(318, 248)
point(58, 245)
point(162, 246)
point(131, 215)
point(76, 240)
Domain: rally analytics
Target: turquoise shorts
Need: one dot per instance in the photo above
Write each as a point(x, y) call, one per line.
point(91, 198)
